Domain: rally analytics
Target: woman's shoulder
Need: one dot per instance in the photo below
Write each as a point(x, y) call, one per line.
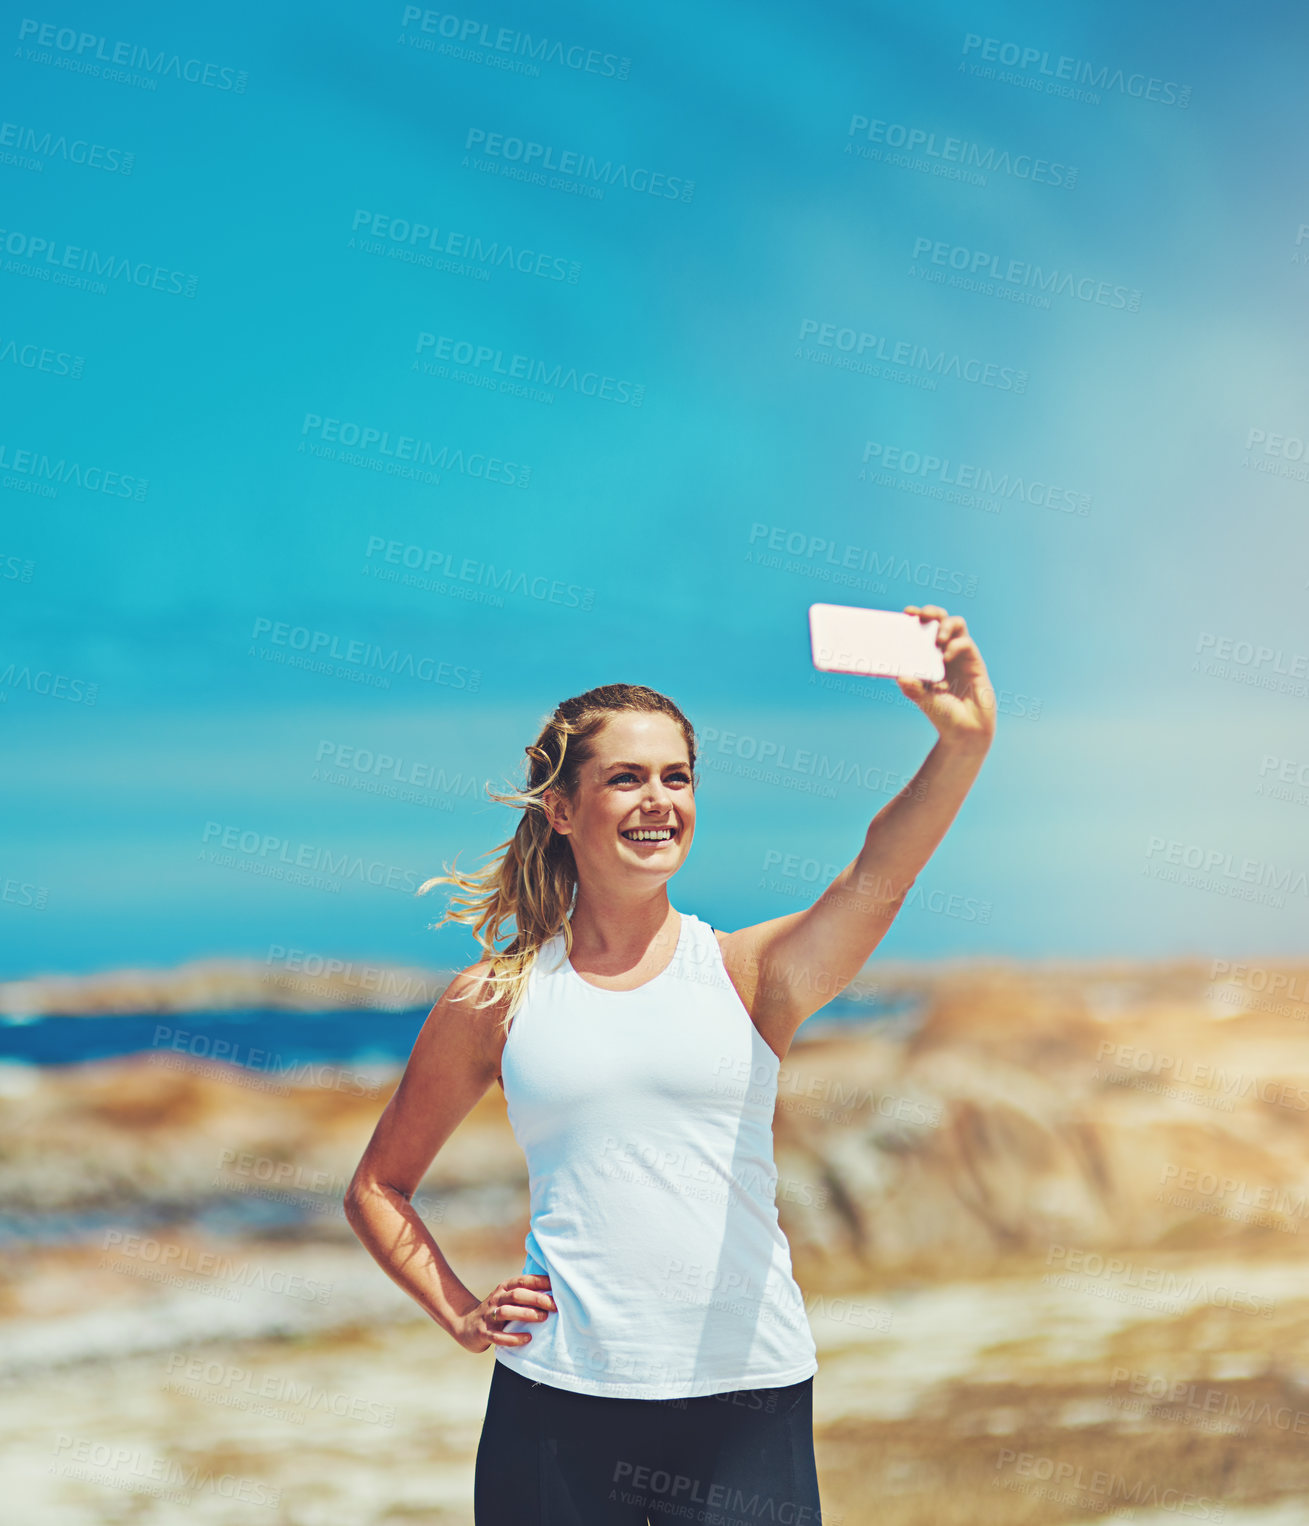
point(705, 928)
point(470, 982)
point(707, 940)
point(481, 988)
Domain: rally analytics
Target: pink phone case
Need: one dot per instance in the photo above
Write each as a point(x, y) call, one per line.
point(875, 643)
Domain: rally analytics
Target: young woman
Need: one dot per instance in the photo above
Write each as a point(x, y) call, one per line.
point(653, 1361)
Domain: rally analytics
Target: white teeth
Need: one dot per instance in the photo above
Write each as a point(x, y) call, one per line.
point(660, 834)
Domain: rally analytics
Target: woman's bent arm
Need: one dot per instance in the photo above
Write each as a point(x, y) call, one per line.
point(454, 1060)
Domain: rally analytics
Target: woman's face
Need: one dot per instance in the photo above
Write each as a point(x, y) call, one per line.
point(633, 813)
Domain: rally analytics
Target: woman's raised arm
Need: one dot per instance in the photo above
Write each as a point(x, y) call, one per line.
point(790, 966)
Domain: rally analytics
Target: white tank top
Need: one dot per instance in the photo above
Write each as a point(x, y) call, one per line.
point(646, 1118)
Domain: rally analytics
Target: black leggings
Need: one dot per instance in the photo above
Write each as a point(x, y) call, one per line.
point(551, 1457)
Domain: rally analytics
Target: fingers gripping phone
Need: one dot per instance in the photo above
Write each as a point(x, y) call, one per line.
point(876, 643)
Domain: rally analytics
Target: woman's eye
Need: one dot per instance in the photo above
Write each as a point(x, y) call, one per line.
point(618, 778)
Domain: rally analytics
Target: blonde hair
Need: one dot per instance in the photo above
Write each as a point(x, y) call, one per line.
point(534, 878)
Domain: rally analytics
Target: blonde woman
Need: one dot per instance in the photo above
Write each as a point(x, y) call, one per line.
point(653, 1361)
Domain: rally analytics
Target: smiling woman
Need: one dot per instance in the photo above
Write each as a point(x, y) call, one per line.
point(656, 1269)
point(620, 758)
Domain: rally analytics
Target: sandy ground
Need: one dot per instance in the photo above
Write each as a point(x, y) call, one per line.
point(1005, 1400)
point(1050, 1242)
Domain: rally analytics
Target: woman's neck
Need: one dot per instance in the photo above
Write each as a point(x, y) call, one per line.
point(622, 932)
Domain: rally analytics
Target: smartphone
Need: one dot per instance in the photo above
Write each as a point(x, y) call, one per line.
point(877, 643)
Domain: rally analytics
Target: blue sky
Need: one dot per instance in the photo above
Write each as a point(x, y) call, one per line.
point(1172, 408)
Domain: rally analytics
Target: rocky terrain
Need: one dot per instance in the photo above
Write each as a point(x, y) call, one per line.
point(1049, 1234)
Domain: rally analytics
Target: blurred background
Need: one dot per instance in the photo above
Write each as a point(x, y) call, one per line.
point(373, 381)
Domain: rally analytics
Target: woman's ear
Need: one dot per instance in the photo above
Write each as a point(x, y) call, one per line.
point(555, 806)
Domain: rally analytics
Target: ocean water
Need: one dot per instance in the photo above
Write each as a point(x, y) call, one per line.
point(273, 1041)
point(351, 1051)
point(282, 1044)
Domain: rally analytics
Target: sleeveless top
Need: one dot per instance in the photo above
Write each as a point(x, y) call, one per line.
point(646, 1118)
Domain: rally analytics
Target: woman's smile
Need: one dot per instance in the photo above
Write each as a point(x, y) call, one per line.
point(654, 835)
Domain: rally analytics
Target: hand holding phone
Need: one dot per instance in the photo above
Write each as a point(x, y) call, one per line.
point(875, 643)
